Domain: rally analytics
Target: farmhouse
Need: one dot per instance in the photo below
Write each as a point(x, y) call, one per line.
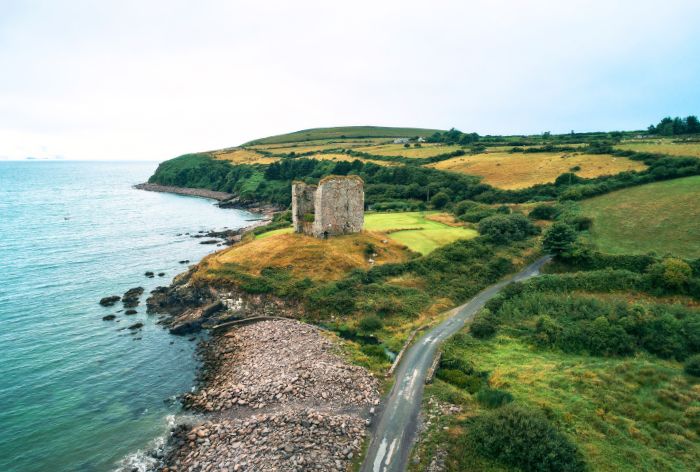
point(335, 206)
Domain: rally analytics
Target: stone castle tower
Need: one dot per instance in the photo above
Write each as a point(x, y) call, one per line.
point(335, 206)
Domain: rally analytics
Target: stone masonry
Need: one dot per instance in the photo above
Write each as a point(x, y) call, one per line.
point(334, 206)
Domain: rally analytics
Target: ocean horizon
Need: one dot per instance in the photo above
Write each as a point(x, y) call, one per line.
point(79, 393)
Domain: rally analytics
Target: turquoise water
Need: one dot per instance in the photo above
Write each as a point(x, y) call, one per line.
point(77, 393)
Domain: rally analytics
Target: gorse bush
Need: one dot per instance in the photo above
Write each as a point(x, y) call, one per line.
point(580, 323)
point(525, 439)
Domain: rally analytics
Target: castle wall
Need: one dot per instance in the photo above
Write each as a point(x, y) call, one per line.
point(340, 205)
point(303, 201)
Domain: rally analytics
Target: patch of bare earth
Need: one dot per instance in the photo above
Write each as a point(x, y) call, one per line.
point(277, 397)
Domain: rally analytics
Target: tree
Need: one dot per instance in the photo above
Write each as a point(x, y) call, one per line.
point(544, 212)
point(439, 200)
point(692, 124)
point(559, 239)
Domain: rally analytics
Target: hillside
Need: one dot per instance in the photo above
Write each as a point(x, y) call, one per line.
point(343, 132)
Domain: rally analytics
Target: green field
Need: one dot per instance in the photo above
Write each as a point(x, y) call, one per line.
point(411, 229)
point(663, 217)
point(663, 146)
point(344, 132)
point(619, 410)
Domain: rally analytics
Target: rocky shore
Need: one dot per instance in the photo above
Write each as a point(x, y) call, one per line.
point(275, 395)
point(226, 200)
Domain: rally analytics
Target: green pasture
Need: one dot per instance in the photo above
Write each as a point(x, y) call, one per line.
point(663, 217)
point(412, 229)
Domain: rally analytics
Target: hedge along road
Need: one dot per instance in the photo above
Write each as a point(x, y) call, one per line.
point(393, 435)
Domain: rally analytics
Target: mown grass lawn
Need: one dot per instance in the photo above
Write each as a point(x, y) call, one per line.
point(412, 229)
point(663, 217)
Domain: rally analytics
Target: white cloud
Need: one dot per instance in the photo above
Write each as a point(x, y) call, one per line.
point(140, 80)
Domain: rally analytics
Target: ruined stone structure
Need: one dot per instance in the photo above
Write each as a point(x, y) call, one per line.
point(334, 206)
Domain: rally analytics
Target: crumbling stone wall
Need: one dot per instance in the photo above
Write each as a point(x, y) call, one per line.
point(335, 206)
point(303, 207)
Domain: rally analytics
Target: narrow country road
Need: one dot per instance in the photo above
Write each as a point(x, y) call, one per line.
point(396, 426)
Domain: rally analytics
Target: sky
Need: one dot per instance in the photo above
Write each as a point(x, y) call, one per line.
point(122, 79)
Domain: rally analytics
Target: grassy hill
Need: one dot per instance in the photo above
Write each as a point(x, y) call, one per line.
point(663, 217)
point(343, 132)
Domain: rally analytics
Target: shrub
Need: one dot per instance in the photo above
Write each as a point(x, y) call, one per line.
point(544, 212)
point(670, 274)
point(484, 325)
point(439, 200)
point(581, 223)
point(526, 439)
point(471, 383)
point(692, 365)
point(493, 398)
point(371, 323)
point(506, 228)
point(559, 239)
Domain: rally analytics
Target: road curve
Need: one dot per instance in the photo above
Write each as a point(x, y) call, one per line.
point(396, 426)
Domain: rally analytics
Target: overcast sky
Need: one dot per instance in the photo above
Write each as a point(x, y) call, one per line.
point(154, 79)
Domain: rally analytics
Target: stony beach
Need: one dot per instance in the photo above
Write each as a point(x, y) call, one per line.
point(275, 395)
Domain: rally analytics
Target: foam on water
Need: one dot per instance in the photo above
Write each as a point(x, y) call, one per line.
point(76, 392)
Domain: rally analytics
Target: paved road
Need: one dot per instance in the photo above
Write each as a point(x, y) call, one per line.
point(393, 436)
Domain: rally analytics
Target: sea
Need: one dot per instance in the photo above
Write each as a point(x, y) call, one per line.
point(78, 393)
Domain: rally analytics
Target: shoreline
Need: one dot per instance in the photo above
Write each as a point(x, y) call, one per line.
point(191, 192)
point(269, 392)
point(224, 199)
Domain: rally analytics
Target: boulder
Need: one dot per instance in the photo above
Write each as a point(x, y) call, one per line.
point(109, 301)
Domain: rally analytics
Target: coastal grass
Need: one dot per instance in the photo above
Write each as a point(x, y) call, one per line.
point(522, 170)
point(422, 232)
point(663, 217)
point(303, 256)
point(662, 146)
point(425, 150)
point(243, 156)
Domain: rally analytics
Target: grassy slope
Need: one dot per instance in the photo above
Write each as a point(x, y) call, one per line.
point(306, 256)
point(662, 217)
point(625, 413)
point(418, 233)
point(344, 132)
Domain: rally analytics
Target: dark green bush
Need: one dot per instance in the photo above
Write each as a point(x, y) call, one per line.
point(544, 212)
point(525, 439)
point(471, 383)
point(503, 229)
point(484, 325)
point(371, 323)
point(692, 365)
point(493, 398)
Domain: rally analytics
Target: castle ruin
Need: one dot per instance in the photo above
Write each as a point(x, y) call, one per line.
point(335, 206)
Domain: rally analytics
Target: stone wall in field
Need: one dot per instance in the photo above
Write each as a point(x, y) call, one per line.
point(335, 206)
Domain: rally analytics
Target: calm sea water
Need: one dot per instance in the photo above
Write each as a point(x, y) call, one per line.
point(78, 393)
